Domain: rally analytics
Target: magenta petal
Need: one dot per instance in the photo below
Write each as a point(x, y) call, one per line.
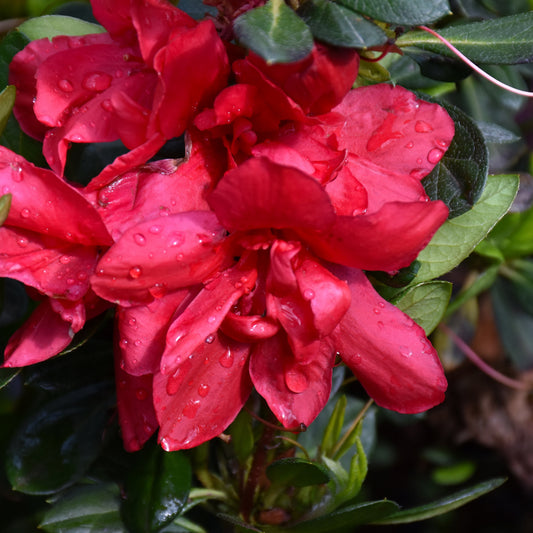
point(204, 394)
point(296, 393)
point(136, 414)
point(160, 255)
point(142, 331)
point(42, 336)
point(262, 194)
point(387, 240)
point(387, 351)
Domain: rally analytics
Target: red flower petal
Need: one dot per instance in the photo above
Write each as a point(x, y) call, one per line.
point(387, 351)
point(296, 393)
point(136, 268)
point(204, 394)
point(261, 194)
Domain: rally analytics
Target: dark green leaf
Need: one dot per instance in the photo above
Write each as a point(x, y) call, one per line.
point(456, 239)
point(5, 205)
point(425, 303)
point(52, 25)
point(7, 100)
point(242, 436)
point(53, 447)
point(494, 133)
point(17, 141)
point(347, 518)
point(336, 25)
point(274, 32)
point(459, 178)
point(91, 509)
point(442, 506)
point(504, 40)
point(10, 45)
point(156, 489)
point(407, 12)
point(297, 472)
point(7, 375)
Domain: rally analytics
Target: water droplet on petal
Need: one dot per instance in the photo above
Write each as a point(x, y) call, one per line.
point(423, 127)
point(296, 381)
point(174, 381)
point(132, 321)
point(191, 408)
point(25, 213)
point(141, 394)
point(64, 259)
point(16, 173)
point(177, 239)
point(381, 325)
point(158, 290)
point(139, 239)
point(65, 86)
point(410, 144)
point(155, 229)
point(165, 444)
point(405, 351)
point(435, 155)
point(135, 272)
point(107, 105)
point(210, 339)
point(443, 143)
point(22, 242)
point(97, 81)
point(418, 173)
point(203, 390)
point(309, 294)
point(212, 319)
point(376, 311)
point(226, 360)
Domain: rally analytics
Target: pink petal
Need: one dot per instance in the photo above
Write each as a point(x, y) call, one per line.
point(262, 194)
point(348, 196)
point(387, 240)
point(295, 392)
point(387, 351)
point(44, 203)
point(160, 255)
point(392, 128)
point(197, 324)
point(204, 394)
point(142, 331)
point(136, 414)
point(115, 16)
point(42, 336)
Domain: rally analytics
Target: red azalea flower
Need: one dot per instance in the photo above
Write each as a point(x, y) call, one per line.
point(138, 83)
point(49, 247)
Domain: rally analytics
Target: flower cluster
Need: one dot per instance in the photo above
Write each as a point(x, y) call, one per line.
point(242, 265)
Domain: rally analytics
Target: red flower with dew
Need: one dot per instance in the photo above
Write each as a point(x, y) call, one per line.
point(47, 246)
point(139, 83)
point(204, 316)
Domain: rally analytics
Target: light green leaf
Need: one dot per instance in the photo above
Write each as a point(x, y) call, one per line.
point(296, 472)
point(443, 505)
point(425, 303)
point(274, 32)
point(5, 204)
point(408, 12)
point(54, 25)
point(7, 100)
point(504, 40)
point(456, 239)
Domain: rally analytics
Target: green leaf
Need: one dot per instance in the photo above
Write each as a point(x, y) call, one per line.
point(332, 432)
point(425, 303)
point(297, 472)
point(5, 205)
point(504, 40)
point(456, 239)
point(56, 443)
point(336, 25)
point(156, 489)
point(513, 235)
point(406, 12)
point(91, 509)
point(52, 25)
point(453, 474)
point(10, 45)
point(7, 375)
point(242, 436)
point(494, 133)
point(443, 505)
point(459, 178)
point(7, 100)
point(274, 32)
point(347, 518)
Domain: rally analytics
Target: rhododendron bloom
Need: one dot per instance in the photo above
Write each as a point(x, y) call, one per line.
point(46, 245)
point(138, 83)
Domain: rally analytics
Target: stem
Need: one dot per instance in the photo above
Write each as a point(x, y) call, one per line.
point(482, 365)
point(473, 66)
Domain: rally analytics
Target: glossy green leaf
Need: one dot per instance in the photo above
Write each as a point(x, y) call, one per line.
point(453, 474)
point(274, 32)
point(347, 518)
point(406, 12)
point(339, 26)
point(53, 447)
point(297, 472)
point(156, 489)
point(443, 505)
point(425, 303)
point(504, 40)
point(5, 205)
point(90, 508)
point(242, 437)
point(332, 432)
point(513, 235)
point(52, 25)
point(7, 100)
point(459, 178)
point(456, 239)
point(10, 45)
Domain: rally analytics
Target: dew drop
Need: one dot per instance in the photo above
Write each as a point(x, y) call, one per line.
point(25, 213)
point(16, 173)
point(64, 259)
point(418, 173)
point(212, 319)
point(65, 86)
point(70, 281)
point(135, 272)
point(443, 143)
point(410, 144)
point(309, 294)
point(296, 381)
point(138, 342)
point(158, 290)
point(177, 239)
point(155, 229)
point(191, 408)
point(210, 339)
point(139, 239)
point(123, 344)
point(203, 390)
point(165, 444)
point(107, 105)
point(226, 360)
point(141, 394)
point(97, 81)
point(377, 311)
point(435, 155)
point(22, 242)
point(381, 325)
point(405, 352)
point(174, 381)
point(423, 127)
